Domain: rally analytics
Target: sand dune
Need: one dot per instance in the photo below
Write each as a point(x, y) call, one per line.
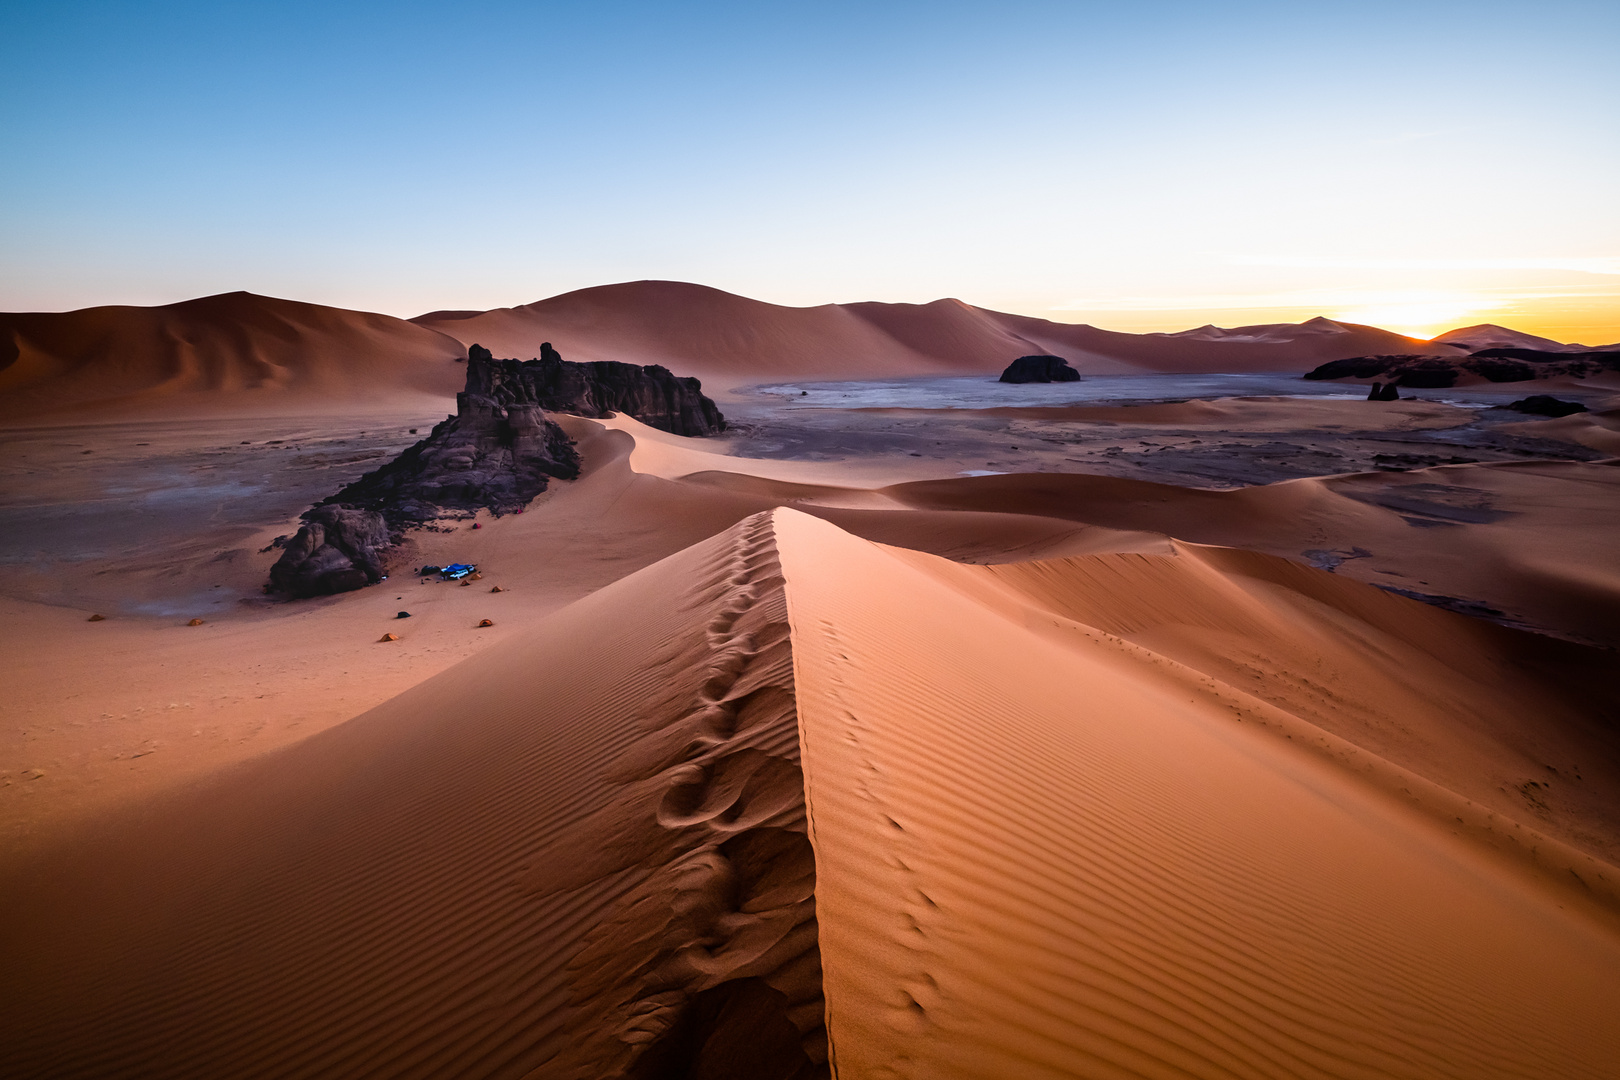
point(1103, 815)
point(237, 351)
point(1491, 336)
point(1038, 860)
point(508, 866)
point(714, 334)
point(1549, 562)
point(232, 351)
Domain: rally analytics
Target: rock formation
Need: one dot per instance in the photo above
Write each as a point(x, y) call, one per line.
point(1039, 369)
point(496, 453)
point(337, 549)
point(653, 395)
point(1383, 392)
point(1546, 405)
point(1492, 365)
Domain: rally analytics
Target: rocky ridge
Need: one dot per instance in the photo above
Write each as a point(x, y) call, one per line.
point(1498, 365)
point(496, 452)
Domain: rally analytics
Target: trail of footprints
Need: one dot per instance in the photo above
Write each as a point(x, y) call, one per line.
point(733, 965)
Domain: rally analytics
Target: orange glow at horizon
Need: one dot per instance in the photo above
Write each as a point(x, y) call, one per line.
point(1587, 320)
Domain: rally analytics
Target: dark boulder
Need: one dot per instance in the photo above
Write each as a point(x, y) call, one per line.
point(1546, 405)
point(1383, 392)
point(1039, 369)
point(337, 549)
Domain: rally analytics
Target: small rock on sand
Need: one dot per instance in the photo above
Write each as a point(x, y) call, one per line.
point(388, 637)
point(485, 622)
point(97, 618)
point(403, 615)
point(195, 622)
point(497, 589)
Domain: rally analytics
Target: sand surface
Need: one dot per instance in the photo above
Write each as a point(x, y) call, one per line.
point(1233, 737)
point(788, 797)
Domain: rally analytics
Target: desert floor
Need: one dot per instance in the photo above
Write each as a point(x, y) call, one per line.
point(1298, 774)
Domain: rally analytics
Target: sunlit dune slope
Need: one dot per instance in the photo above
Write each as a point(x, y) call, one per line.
point(1535, 540)
point(1044, 852)
point(700, 330)
point(789, 797)
point(1517, 723)
point(231, 351)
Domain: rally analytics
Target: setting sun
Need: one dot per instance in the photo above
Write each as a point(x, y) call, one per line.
point(1420, 315)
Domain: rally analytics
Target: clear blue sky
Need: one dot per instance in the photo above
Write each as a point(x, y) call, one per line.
point(1125, 164)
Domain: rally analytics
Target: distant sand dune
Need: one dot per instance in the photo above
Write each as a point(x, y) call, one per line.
point(1191, 812)
point(245, 352)
point(235, 350)
point(698, 330)
point(1555, 568)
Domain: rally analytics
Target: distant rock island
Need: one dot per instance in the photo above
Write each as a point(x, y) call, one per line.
point(497, 452)
point(1039, 369)
point(1498, 365)
point(1546, 405)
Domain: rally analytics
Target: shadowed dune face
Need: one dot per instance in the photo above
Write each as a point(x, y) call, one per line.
point(235, 350)
point(790, 802)
point(582, 854)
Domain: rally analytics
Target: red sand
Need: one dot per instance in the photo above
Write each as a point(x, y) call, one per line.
point(730, 789)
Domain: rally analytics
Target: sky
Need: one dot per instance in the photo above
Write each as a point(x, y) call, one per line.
point(1147, 166)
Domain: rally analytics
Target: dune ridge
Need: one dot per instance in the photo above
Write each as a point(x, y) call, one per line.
point(715, 334)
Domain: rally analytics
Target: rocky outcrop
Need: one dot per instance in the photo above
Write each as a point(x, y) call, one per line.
point(337, 549)
point(1383, 392)
point(1492, 365)
point(488, 456)
point(496, 453)
point(1546, 405)
point(653, 395)
point(1039, 369)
